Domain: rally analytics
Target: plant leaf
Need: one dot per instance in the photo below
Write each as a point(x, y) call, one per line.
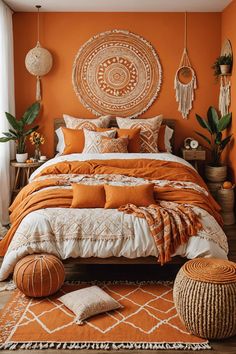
point(5, 139)
point(213, 119)
point(13, 121)
point(224, 122)
point(13, 132)
point(28, 132)
point(9, 135)
point(218, 138)
point(204, 137)
point(31, 113)
point(203, 123)
point(225, 142)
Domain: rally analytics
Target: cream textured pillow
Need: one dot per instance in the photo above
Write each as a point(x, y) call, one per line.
point(149, 129)
point(90, 124)
point(92, 140)
point(88, 302)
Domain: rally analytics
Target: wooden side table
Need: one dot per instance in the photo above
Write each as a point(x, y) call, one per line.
point(23, 172)
point(194, 155)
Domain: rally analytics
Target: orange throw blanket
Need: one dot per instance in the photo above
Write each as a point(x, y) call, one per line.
point(170, 225)
point(27, 202)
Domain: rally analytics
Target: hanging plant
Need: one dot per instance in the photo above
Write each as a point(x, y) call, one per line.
point(223, 65)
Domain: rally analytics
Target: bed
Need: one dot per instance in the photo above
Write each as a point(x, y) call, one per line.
point(107, 235)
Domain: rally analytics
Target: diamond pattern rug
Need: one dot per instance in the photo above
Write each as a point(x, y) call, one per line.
point(147, 321)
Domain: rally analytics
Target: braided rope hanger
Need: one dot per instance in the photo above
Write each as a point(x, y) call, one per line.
point(184, 93)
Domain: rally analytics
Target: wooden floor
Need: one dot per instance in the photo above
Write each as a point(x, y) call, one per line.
point(135, 272)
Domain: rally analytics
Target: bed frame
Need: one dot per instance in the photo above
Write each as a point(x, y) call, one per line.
point(59, 122)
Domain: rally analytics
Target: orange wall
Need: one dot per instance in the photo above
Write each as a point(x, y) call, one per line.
point(64, 33)
point(229, 32)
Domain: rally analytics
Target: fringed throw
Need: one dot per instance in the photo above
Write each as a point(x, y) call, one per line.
point(170, 224)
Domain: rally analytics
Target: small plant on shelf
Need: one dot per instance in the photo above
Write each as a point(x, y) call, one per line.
point(223, 65)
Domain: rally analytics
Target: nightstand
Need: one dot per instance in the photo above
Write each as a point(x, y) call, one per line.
point(23, 172)
point(194, 155)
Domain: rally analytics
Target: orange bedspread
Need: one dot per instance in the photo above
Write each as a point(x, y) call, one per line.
point(27, 202)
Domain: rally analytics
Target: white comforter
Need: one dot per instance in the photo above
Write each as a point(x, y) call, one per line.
point(103, 233)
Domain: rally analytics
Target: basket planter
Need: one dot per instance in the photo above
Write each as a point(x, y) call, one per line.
point(225, 198)
point(216, 174)
point(225, 69)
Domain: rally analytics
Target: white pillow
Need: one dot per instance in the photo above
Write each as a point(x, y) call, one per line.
point(92, 140)
point(168, 135)
point(88, 302)
point(90, 124)
point(61, 142)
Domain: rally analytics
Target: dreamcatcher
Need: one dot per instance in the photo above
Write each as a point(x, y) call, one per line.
point(185, 80)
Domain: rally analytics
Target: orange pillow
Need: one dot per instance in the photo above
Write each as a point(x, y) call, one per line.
point(112, 145)
point(142, 195)
point(74, 140)
point(88, 196)
point(134, 144)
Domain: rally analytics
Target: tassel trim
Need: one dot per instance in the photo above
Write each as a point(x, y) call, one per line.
point(105, 346)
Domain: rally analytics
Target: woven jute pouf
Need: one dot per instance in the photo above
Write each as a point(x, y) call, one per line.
point(205, 297)
point(39, 275)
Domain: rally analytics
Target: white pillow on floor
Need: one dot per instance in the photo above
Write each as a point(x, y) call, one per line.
point(88, 302)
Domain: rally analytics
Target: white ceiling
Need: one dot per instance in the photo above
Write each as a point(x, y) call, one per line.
point(119, 5)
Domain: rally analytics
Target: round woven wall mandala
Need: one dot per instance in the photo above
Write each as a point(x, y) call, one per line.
point(117, 73)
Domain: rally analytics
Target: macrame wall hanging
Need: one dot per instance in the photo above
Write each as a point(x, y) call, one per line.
point(225, 85)
point(38, 62)
point(185, 80)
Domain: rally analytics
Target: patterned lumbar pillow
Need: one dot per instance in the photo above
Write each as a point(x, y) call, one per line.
point(90, 124)
point(88, 302)
point(93, 140)
point(111, 145)
point(149, 129)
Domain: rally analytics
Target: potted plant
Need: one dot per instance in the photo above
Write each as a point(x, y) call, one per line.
point(215, 171)
point(20, 130)
point(223, 65)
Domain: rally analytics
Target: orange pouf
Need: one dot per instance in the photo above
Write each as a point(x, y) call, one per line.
point(39, 275)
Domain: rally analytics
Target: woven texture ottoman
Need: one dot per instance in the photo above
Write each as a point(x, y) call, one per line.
point(39, 275)
point(205, 297)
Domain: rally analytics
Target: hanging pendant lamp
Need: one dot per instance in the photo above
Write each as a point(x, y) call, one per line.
point(38, 61)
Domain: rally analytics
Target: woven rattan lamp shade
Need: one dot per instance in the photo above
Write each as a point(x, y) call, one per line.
point(38, 61)
point(205, 297)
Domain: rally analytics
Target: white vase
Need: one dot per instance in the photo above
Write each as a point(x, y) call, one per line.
point(22, 157)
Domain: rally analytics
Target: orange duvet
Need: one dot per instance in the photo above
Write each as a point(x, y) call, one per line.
point(153, 170)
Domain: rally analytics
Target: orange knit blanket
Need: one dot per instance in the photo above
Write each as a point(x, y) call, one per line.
point(170, 225)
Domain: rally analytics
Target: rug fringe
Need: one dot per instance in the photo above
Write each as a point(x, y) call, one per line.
point(128, 282)
point(106, 346)
point(9, 286)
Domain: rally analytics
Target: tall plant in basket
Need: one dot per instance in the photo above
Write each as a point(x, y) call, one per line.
point(215, 125)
